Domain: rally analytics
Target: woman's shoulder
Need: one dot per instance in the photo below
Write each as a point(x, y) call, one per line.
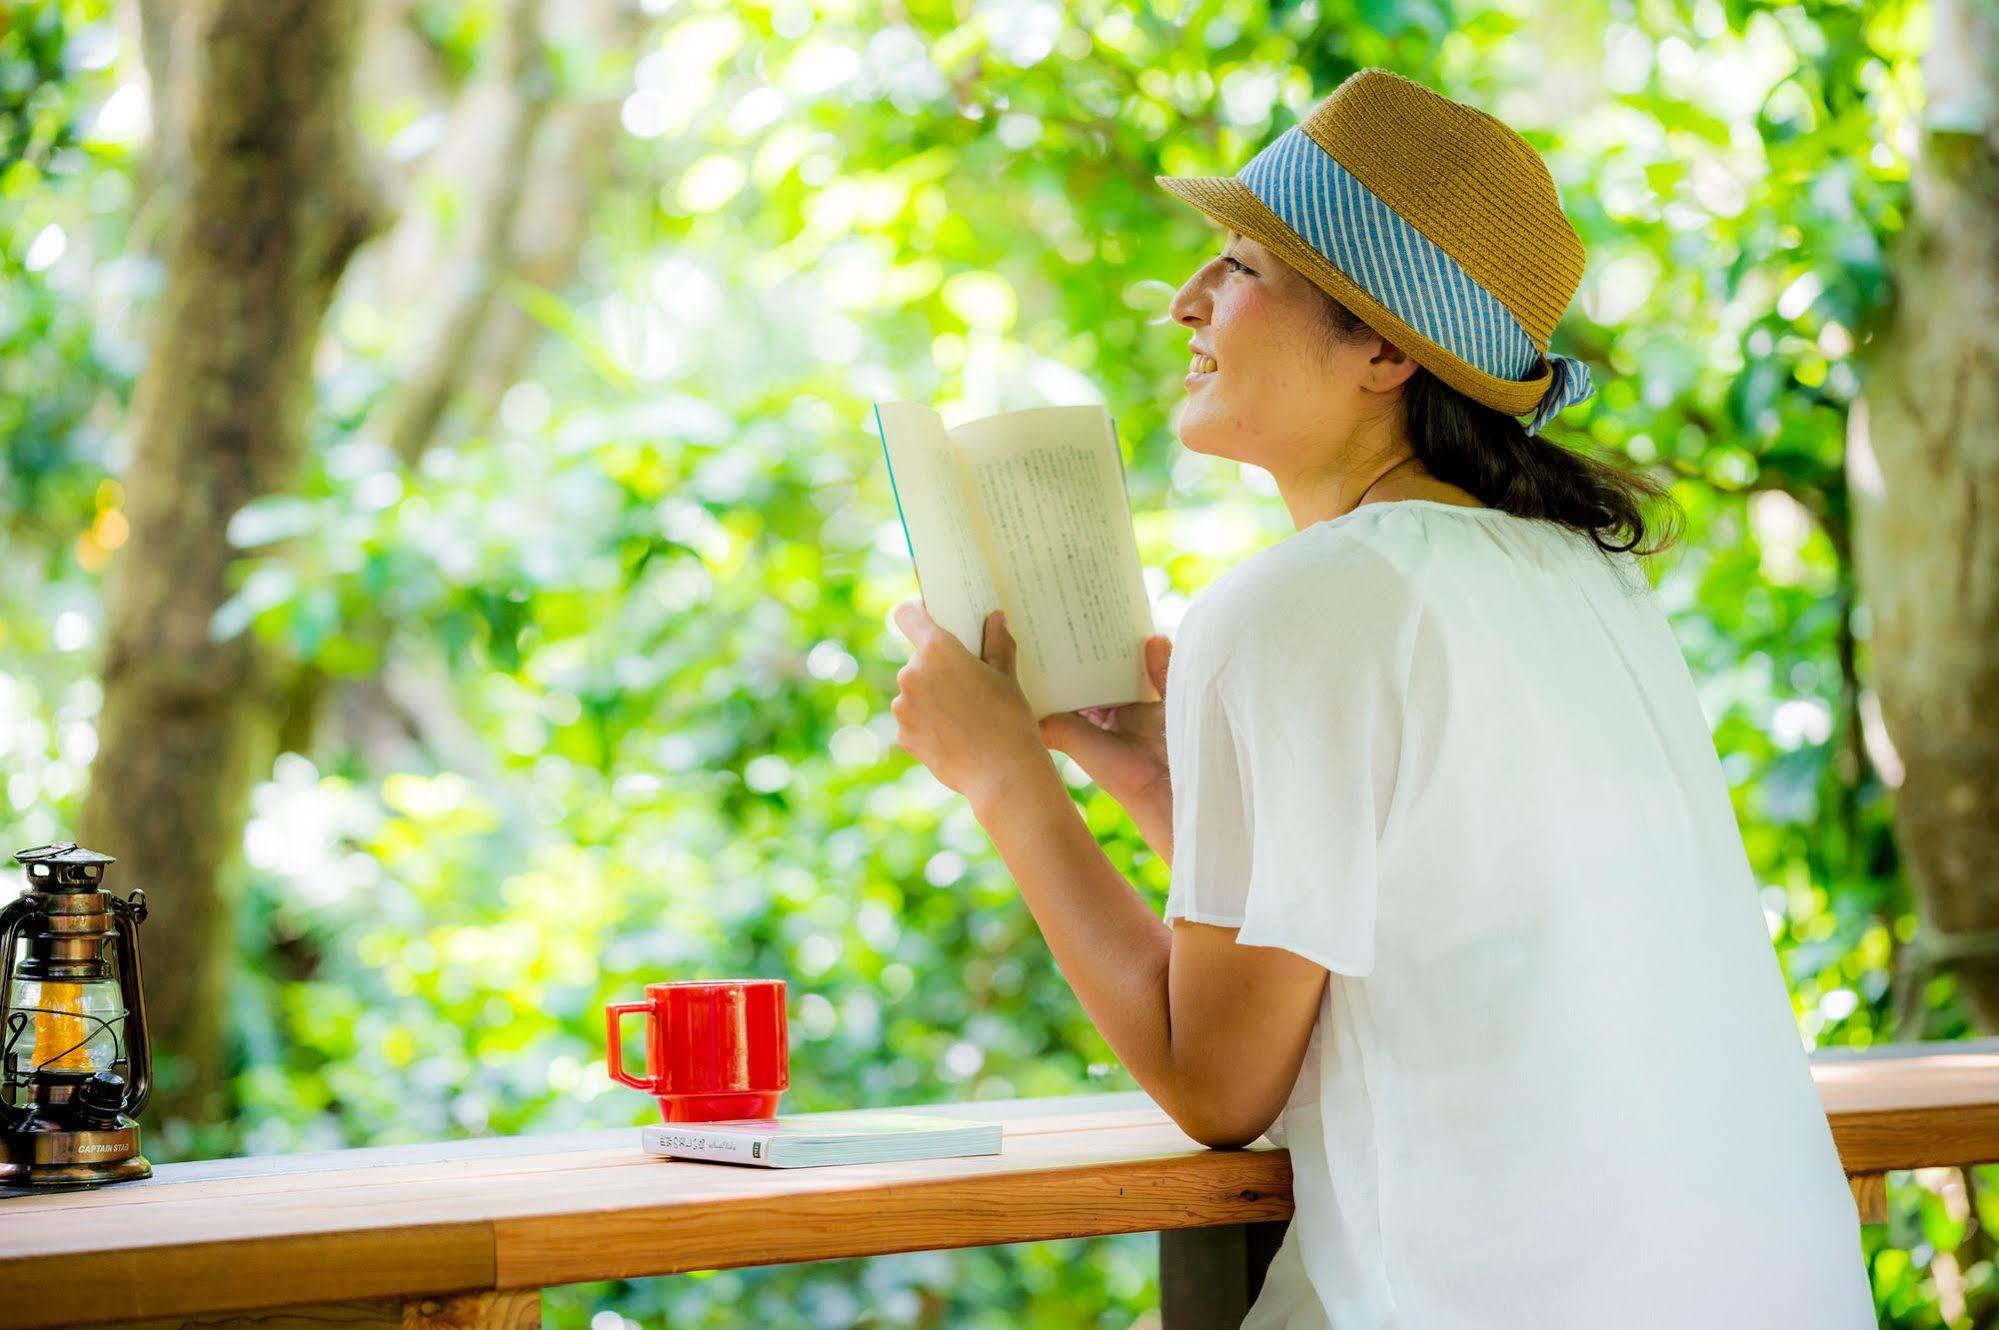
point(1333, 579)
point(1366, 549)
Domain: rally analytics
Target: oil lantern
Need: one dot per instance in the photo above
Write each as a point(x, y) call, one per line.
point(75, 1065)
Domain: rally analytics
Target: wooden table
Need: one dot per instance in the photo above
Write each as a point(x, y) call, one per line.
point(467, 1233)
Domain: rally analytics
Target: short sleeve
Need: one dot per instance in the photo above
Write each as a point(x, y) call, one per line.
point(1285, 756)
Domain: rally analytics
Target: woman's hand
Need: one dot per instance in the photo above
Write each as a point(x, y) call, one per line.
point(964, 716)
point(1123, 748)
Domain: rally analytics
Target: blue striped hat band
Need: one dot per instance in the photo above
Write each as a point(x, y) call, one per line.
point(1376, 247)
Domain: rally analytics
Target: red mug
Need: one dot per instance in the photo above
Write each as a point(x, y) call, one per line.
point(715, 1048)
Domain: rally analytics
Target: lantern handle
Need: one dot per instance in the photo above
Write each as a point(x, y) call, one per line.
point(12, 920)
point(126, 917)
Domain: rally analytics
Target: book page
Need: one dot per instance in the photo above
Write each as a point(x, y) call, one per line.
point(932, 497)
point(1049, 484)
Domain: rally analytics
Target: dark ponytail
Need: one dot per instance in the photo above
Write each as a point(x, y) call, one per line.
point(1492, 456)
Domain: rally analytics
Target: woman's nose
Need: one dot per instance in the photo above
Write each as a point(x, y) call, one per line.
point(1190, 303)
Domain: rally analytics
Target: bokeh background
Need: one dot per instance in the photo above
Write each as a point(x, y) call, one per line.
point(547, 652)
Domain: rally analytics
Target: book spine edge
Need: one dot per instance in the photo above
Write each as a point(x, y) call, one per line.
point(724, 1149)
point(882, 433)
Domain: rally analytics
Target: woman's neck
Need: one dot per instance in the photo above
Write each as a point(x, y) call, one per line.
point(1376, 463)
point(1382, 485)
point(1316, 498)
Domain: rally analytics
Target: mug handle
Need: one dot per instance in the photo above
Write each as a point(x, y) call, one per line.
point(614, 1019)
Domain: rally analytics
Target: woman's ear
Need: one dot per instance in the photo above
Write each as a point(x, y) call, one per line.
point(1388, 366)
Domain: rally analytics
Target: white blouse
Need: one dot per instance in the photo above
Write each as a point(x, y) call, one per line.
point(1455, 757)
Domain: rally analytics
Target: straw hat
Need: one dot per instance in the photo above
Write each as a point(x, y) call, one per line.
point(1433, 222)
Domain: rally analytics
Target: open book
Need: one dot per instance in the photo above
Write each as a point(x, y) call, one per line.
point(851, 1137)
point(1025, 511)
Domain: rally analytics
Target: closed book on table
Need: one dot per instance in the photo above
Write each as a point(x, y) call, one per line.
point(845, 1138)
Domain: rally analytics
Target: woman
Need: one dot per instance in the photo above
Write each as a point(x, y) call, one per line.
point(1458, 911)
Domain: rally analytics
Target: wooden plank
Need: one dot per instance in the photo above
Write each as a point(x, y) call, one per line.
point(515, 1156)
point(687, 1185)
point(241, 1274)
point(352, 1226)
point(446, 1195)
point(1915, 1078)
point(1912, 1110)
point(1141, 1195)
point(378, 1314)
point(650, 1215)
point(1877, 1142)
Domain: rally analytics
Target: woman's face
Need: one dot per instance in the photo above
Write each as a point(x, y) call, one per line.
point(1269, 384)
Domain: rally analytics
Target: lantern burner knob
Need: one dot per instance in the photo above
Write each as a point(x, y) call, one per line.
point(99, 1100)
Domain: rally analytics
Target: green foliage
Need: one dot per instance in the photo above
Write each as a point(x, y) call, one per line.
point(603, 690)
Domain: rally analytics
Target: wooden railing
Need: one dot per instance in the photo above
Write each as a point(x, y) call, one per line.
point(467, 1233)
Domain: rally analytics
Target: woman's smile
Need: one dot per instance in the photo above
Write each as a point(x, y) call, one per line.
point(1202, 368)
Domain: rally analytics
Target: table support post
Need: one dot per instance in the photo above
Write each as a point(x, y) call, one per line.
point(512, 1309)
point(1870, 1196)
point(1208, 1277)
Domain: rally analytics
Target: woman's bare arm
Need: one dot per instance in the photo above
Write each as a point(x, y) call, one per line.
point(1213, 1030)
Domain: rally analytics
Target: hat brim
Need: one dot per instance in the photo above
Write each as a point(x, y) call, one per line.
point(1229, 203)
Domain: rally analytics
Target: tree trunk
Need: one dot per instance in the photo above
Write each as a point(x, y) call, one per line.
point(274, 202)
point(1923, 464)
